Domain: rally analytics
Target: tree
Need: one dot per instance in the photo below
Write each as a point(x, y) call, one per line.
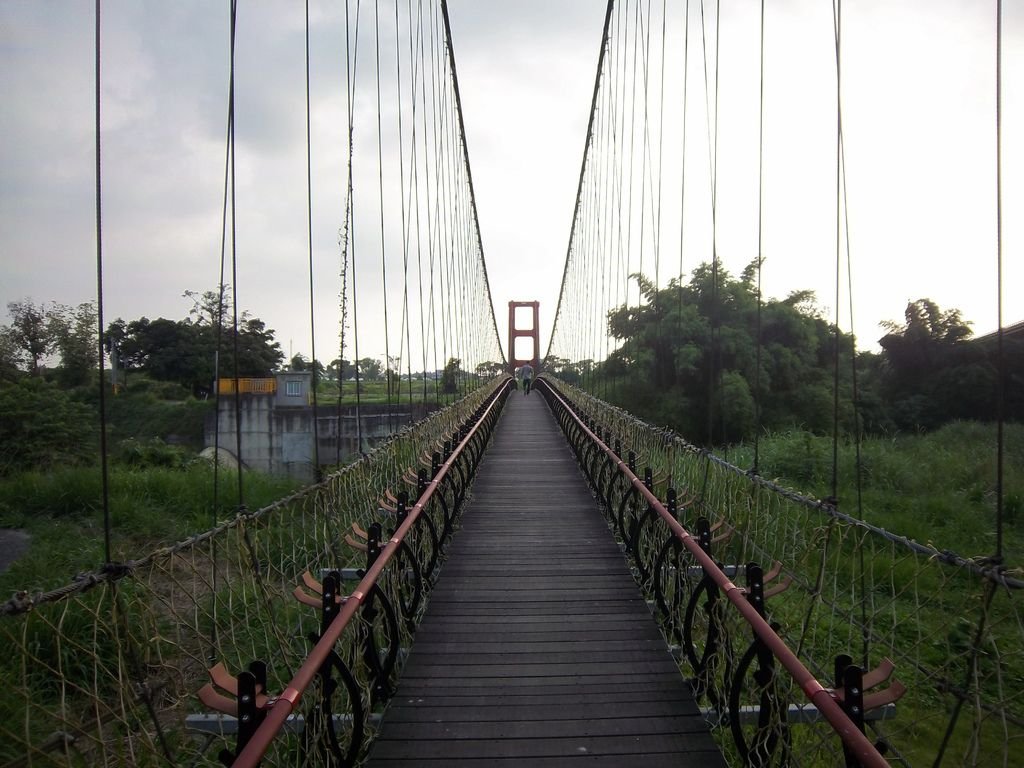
point(72, 334)
point(185, 351)
point(339, 369)
point(41, 427)
point(210, 307)
point(450, 376)
point(929, 375)
point(29, 332)
point(11, 356)
point(688, 354)
point(258, 353)
point(489, 369)
point(370, 369)
point(925, 338)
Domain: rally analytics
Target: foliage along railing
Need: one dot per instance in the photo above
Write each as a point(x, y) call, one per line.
point(951, 626)
point(105, 670)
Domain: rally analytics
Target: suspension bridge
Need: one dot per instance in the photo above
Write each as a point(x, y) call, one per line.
point(529, 579)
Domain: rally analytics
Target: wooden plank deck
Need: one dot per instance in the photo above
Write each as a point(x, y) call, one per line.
point(537, 648)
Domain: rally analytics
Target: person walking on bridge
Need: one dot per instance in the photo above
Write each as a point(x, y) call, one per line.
point(526, 374)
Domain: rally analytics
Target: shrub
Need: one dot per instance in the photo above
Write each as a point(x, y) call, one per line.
point(41, 427)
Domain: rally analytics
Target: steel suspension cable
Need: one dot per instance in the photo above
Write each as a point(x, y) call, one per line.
point(632, 157)
point(475, 236)
point(583, 165)
point(620, 246)
point(645, 146)
point(404, 335)
point(682, 140)
point(449, 344)
point(309, 234)
point(219, 337)
point(351, 69)
point(433, 196)
point(419, 91)
point(383, 249)
point(465, 153)
point(714, 372)
point(661, 150)
point(1001, 372)
point(837, 10)
point(234, 263)
point(608, 240)
point(758, 394)
point(100, 338)
point(855, 391)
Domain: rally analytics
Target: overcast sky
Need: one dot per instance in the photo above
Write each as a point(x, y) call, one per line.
point(919, 112)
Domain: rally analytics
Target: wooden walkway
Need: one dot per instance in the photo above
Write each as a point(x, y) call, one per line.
point(537, 648)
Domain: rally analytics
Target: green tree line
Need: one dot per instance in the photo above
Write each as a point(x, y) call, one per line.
point(702, 357)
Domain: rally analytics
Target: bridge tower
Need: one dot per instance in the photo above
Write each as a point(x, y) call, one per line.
point(514, 333)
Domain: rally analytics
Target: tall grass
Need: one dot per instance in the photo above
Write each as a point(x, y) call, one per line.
point(937, 487)
point(149, 508)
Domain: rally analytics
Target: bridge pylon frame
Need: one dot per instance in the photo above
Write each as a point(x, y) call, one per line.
point(515, 332)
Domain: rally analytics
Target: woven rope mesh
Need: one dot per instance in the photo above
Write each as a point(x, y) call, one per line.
point(105, 671)
point(952, 628)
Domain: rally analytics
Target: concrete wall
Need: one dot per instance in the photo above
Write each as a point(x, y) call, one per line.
point(279, 439)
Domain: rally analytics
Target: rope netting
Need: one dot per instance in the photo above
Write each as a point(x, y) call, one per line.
point(105, 670)
point(952, 626)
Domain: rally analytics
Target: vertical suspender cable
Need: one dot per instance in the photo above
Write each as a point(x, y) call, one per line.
point(104, 472)
point(854, 379)
point(383, 252)
point(661, 148)
point(422, 208)
point(838, 19)
point(351, 60)
point(234, 266)
point(1000, 354)
point(758, 395)
point(682, 139)
point(632, 163)
point(713, 379)
point(309, 233)
point(718, 307)
point(403, 325)
point(430, 134)
point(465, 157)
point(583, 164)
point(345, 235)
point(218, 343)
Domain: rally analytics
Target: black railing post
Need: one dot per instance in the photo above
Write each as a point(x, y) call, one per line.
point(850, 678)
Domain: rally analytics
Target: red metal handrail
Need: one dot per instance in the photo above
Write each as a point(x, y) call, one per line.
point(281, 707)
point(851, 735)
